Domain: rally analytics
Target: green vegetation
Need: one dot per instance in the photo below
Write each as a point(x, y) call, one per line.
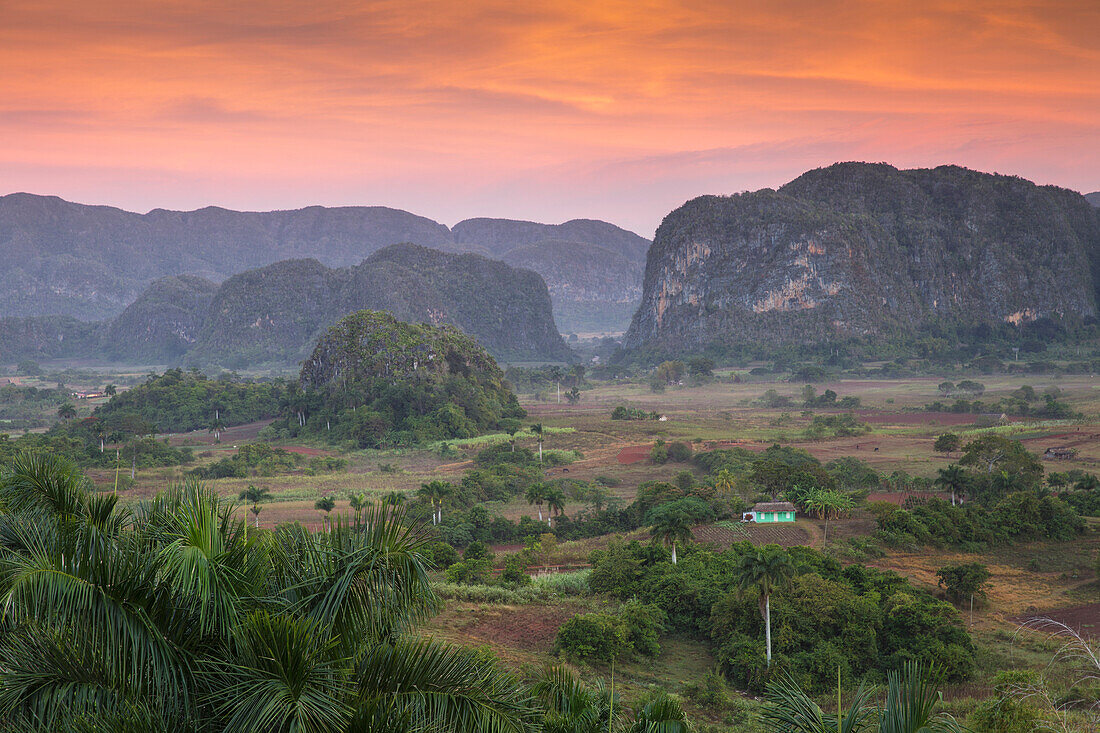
point(177, 618)
point(374, 381)
point(179, 401)
point(864, 621)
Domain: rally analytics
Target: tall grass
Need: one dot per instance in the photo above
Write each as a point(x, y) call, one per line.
point(567, 584)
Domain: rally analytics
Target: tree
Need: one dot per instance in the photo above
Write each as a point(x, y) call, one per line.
point(953, 479)
point(947, 443)
point(358, 503)
point(173, 617)
point(670, 526)
point(762, 572)
point(827, 504)
point(671, 372)
point(511, 426)
point(577, 373)
point(216, 427)
point(536, 494)
point(394, 499)
point(539, 431)
point(992, 454)
point(946, 388)
point(910, 707)
point(99, 430)
point(255, 497)
point(28, 367)
point(555, 503)
point(325, 504)
point(436, 493)
point(960, 581)
point(67, 411)
point(573, 396)
point(110, 390)
point(556, 374)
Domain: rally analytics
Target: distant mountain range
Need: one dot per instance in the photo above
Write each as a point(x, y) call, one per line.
point(862, 250)
point(273, 315)
point(91, 262)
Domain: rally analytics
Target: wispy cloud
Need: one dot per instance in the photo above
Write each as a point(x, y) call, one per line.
point(554, 107)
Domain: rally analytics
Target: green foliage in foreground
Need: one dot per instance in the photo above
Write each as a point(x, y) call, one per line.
point(174, 617)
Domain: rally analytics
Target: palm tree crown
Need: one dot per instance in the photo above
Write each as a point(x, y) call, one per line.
point(171, 617)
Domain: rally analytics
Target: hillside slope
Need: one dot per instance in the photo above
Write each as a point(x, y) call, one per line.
point(276, 313)
point(860, 250)
point(1093, 198)
point(162, 323)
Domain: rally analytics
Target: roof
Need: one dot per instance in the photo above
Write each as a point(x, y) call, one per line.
point(774, 506)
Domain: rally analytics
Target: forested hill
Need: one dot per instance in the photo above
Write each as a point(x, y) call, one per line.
point(1093, 198)
point(862, 250)
point(593, 269)
point(276, 313)
point(91, 262)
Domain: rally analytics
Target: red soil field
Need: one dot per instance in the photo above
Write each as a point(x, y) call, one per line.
point(634, 454)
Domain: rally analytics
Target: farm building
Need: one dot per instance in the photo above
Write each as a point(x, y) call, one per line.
point(770, 511)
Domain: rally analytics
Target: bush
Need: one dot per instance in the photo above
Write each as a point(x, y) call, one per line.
point(659, 454)
point(679, 452)
point(442, 555)
point(593, 637)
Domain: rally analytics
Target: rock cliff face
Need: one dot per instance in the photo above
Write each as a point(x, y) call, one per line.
point(90, 262)
point(860, 249)
point(276, 313)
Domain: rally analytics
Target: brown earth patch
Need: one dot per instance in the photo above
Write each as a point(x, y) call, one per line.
point(1083, 619)
point(530, 628)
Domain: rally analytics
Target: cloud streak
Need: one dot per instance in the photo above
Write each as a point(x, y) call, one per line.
point(544, 109)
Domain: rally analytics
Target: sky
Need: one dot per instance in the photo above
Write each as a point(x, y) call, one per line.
point(542, 110)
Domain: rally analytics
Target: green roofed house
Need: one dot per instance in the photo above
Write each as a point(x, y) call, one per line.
point(770, 511)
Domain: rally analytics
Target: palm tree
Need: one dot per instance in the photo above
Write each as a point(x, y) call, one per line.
point(394, 499)
point(436, 493)
point(358, 502)
point(762, 572)
point(910, 707)
point(571, 706)
point(216, 427)
point(170, 616)
point(556, 374)
point(670, 527)
point(255, 497)
point(536, 494)
point(953, 479)
point(100, 432)
point(555, 503)
point(110, 390)
point(538, 430)
point(67, 411)
point(827, 504)
point(325, 504)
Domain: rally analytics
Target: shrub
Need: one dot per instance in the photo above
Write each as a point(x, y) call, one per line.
point(594, 637)
point(679, 452)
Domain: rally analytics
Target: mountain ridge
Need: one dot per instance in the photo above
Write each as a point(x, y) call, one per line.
point(860, 250)
point(92, 261)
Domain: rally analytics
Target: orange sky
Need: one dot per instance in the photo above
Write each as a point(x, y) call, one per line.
point(541, 110)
